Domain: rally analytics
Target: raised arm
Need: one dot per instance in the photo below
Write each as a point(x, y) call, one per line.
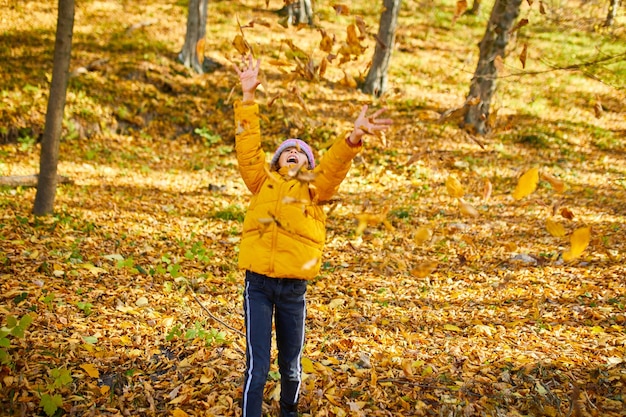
point(249, 78)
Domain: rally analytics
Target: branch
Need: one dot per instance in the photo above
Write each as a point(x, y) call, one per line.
point(29, 180)
point(239, 332)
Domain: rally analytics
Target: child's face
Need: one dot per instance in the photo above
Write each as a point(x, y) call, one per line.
point(292, 157)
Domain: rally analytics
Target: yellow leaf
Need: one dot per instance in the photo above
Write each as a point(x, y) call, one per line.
point(104, 389)
point(240, 45)
point(422, 234)
point(307, 366)
point(527, 184)
point(91, 370)
point(454, 187)
point(556, 229)
point(452, 328)
point(579, 242)
point(179, 413)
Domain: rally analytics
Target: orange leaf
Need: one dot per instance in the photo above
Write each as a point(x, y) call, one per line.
point(424, 269)
point(200, 50)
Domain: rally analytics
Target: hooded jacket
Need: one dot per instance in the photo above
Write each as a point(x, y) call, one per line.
point(284, 229)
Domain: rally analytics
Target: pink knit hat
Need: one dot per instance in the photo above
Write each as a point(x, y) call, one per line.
point(294, 143)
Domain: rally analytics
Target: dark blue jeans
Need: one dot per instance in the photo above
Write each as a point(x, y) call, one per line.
point(283, 299)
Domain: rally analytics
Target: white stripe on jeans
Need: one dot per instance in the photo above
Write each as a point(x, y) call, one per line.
point(249, 378)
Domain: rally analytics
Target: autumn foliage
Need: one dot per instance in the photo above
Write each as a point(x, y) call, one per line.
point(462, 276)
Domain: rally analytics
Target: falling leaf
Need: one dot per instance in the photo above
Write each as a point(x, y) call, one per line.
point(200, 50)
point(566, 213)
point(422, 270)
point(557, 184)
point(422, 235)
point(461, 7)
point(487, 189)
point(579, 240)
point(519, 25)
point(498, 62)
point(554, 228)
point(527, 184)
point(467, 209)
point(341, 9)
point(454, 187)
point(522, 55)
point(241, 45)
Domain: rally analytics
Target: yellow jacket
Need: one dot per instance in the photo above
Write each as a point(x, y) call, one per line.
point(284, 230)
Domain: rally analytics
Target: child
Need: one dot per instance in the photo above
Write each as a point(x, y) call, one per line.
point(282, 239)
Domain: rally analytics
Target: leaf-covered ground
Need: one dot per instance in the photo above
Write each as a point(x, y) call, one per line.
point(441, 294)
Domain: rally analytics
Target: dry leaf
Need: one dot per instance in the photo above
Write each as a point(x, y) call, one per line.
point(422, 235)
point(454, 187)
point(579, 242)
point(424, 269)
point(527, 184)
point(557, 184)
point(566, 213)
point(554, 228)
point(487, 189)
point(241, 45)
point(467, 209)
point(522, 55)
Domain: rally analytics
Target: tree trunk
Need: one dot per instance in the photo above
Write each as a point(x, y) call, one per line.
point(492, 45)
point(610, 17)
point(296, 12)
point(376, 79)
point(49, 159)
point(192, 54)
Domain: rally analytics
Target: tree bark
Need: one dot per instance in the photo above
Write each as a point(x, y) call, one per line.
point(492, 45)
point(376, 80)
point(610, 17)
point(49, 158)
point(192, 54)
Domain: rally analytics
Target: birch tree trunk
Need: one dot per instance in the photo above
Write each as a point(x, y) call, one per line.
point(376, 80)
point(492, 45)
point(49, 158)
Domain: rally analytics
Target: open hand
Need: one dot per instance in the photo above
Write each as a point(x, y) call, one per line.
point(249, 77)
point(368, 125)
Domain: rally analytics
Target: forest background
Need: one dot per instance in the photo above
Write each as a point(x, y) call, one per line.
point(463, 275)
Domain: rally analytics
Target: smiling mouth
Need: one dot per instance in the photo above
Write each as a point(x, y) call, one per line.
point(292, 160)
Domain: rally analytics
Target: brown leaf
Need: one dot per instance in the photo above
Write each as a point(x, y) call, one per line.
point(519, 25)
point(566, 213)
point(522, 55)
point(341, 9)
